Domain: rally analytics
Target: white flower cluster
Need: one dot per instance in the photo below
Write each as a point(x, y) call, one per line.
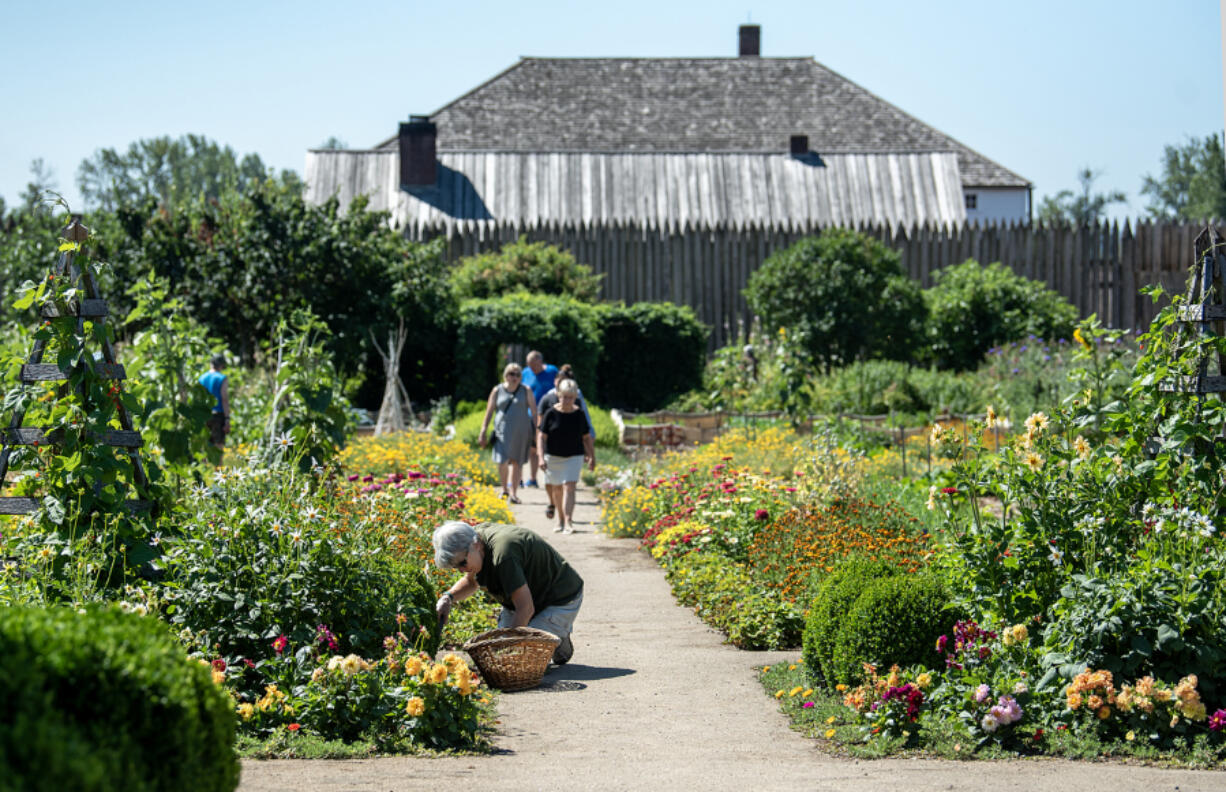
point(1181, 522)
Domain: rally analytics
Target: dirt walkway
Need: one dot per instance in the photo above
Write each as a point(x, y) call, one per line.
point(653, 699)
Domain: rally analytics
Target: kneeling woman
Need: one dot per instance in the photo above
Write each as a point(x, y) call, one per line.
point(519, 569)
point(565, 444)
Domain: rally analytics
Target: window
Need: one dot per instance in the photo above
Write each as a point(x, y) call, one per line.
point(972, 201)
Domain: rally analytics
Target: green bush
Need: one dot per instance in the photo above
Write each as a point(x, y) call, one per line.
point(724, 596)
point(104, 700)
point(651, 354)
point(876, 387)
point(972, 308)
point(837, 593)
point(255, 558)
point(894, 620)
point(562, 328)
point(523, 266)
point(843, 295)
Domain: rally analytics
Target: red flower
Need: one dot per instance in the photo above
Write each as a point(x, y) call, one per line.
point(761, 514)
point(294, 727)
point(280, 644)
point(949, 490)
point(219, 665)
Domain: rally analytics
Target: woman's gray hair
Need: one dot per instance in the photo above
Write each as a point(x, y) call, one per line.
point(567, 386)
point(451, 539)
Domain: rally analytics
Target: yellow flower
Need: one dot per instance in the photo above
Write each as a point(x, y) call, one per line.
point(351, 664)
point(923, 680)
point(840, 687)
point(1033, 461)
point(219, 677)
point(794, 692)
point(437, 674)
point(246, 711)
point(829, 733)
point(412, 666)
point(1104, 713)
point(1037, 422)
point(415, 707)
point(831, 719)
point(1081, 447)
point(779, 693)
point(792, 667)
point(808, 692)
point(990, 418)
point(1130, 736)
point(1081, 339)
point(932, 498)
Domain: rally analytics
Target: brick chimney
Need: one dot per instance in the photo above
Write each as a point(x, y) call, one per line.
point(751, 41)
point(418, 152)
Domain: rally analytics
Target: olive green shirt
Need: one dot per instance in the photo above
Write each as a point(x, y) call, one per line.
point(515, 556)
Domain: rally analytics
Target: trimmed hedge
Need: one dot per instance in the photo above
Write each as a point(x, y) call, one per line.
point(652, 353)
point(894, 620)
point(562, 328)
point(838, 593)
point(103, 700)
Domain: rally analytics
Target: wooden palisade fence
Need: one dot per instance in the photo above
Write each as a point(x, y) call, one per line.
point(1099, 268)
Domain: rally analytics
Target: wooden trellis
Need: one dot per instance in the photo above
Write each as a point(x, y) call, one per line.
point(93, 308)
point(396, 411)
point(1205, 311)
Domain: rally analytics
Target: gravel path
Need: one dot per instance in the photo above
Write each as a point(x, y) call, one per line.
point(653, 699)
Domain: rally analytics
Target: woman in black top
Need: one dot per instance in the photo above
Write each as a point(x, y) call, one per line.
point(565, 444)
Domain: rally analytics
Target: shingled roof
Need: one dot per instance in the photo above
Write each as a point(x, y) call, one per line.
point(690, 105)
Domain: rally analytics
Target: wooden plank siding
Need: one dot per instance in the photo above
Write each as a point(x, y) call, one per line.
point(1099, 269)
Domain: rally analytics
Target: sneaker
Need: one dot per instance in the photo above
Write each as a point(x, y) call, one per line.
point(570, 529)
point(530, 483)
point(558, 528)
point(564, 652)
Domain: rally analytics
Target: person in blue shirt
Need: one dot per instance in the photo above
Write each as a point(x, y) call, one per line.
point(538, 376)
point(215, 382)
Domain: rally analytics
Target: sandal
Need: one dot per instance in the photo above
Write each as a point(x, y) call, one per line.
point(549, 511)
point(513, 499)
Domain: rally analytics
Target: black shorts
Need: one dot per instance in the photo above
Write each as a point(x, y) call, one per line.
point(217, 429)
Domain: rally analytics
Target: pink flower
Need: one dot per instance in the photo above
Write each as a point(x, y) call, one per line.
point(949, 490)
point(1217, 721)
point(280, 644)
point(808, 705)
point(219, 665)
point(761, 514)
point(368, 478)
point(353, 477)
point(982, 693)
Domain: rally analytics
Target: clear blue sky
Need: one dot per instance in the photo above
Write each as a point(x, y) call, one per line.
point(1042, 87)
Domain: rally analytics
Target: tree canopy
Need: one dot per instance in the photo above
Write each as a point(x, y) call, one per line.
point(1079, 208)
point(170, 171)
point(1192, 184)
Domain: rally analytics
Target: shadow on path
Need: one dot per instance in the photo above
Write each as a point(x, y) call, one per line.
point(586, 673)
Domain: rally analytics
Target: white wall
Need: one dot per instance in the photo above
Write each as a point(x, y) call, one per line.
point(996, 203)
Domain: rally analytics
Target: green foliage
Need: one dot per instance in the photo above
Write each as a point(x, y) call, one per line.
point(877, 387)
point(523, 266)
point(1192, 185)
point(562, 328)
point(895, 620)
point(973, 308)
point(1079, 209)
point(81, 482)
point(101, 701)
point(838, 592)
point(724, 595)
point(261, 555)
point(468, 428)
point(306, 409)
point(171, 172)
point(844, 294)
point(28, 242)
point(281, 254)
point(651, 353)
point(164, 359)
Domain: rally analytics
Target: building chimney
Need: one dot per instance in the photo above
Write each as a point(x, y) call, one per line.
point(418, 152)
point(800, 145)
point(751, 41)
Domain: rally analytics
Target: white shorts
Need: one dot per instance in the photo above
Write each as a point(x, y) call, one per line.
point(562, 470)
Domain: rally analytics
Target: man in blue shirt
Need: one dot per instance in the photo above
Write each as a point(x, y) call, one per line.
point(217, 386)
point(539, 377)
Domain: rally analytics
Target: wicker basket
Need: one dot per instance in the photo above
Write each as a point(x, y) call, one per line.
point(512, 658)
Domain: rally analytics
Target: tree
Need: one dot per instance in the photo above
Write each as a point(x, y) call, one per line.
point(42, 181)
point(534, 267)
point(1086, 208)
point(169, 171)
point(1192, 185)
point(333, 143)
point(841, 296)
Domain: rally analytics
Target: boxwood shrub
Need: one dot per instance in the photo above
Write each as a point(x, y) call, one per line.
point(895, 619)
point(838, 592)
point(103, 700)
